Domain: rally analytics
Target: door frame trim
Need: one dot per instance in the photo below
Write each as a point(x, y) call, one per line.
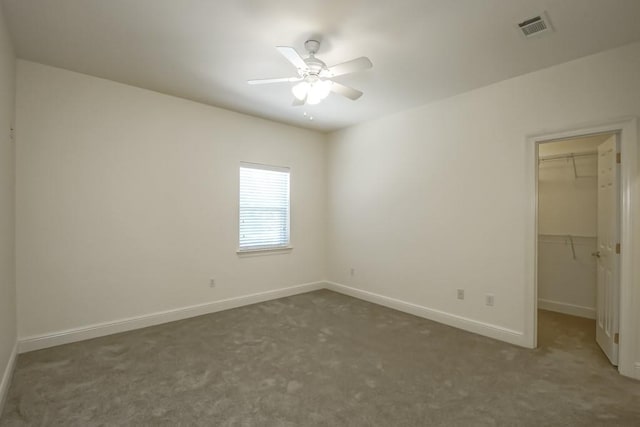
point(629, 322)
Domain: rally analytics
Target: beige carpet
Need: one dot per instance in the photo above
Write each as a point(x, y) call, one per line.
point(322, 359)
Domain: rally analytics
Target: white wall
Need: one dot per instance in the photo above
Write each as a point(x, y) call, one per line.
point(7, 163)
point(127, 201)
point(433, 199)
point(568, 206)
point(567, 284)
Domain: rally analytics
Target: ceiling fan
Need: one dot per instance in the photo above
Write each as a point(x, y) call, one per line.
point(314, 80)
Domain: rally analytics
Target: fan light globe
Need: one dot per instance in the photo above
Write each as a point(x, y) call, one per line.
point(314, 91)
point(322, 88)
point(300, 90)
point(313, 98)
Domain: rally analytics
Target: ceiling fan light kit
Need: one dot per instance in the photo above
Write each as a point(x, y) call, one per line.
point(312, 89)
point(314, 77)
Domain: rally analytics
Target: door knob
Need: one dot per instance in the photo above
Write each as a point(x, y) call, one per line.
point(596, 254)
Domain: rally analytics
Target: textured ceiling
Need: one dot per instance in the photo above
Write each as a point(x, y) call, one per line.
point(422, 50)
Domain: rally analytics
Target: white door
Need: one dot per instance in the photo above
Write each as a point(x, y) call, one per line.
point(608, 249)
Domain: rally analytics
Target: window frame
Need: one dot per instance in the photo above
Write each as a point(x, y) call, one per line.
point(260, 250)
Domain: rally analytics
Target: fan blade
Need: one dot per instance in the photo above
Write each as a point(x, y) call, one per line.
point(352, 66)
point(278, 80)
point(297, 102)
point(292, 56)
point(347, 91)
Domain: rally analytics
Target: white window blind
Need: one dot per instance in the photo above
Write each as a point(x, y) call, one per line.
point(264, 207)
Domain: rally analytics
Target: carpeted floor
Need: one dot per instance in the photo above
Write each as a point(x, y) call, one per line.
point(322, 359)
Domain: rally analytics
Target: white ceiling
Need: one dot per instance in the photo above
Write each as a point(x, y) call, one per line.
point(422, 50)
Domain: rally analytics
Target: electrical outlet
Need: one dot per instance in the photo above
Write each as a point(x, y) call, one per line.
point(460, 293)
point(489, 300)
point(212, 283)
point(352, 271)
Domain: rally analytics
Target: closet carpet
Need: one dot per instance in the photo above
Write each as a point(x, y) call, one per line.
point(322, 359)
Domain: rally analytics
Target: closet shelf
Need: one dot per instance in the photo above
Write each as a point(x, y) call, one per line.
point(575, 236)
point(568, 240)
point(572, 157)
point(567, 156)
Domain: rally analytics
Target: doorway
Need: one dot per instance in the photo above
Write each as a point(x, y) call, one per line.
point(578, 242)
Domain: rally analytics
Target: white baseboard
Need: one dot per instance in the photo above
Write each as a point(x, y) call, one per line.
point(470, 325)
point(571, 309)
point(6, 377)
point(38, 342)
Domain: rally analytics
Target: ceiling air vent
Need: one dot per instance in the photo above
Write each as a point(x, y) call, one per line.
point(536, 25)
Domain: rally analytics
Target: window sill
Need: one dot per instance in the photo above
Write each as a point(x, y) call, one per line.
point(265, 251)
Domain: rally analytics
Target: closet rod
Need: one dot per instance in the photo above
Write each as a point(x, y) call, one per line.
point(568, 156)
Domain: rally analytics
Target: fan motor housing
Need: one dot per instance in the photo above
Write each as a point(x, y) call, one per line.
point(312, 46)
point(315, 65)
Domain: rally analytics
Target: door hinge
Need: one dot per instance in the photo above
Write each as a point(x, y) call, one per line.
point(618, 158)
point(616, 338)
point(617, 248)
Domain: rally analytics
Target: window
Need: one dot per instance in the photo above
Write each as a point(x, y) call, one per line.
point(264, 207)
